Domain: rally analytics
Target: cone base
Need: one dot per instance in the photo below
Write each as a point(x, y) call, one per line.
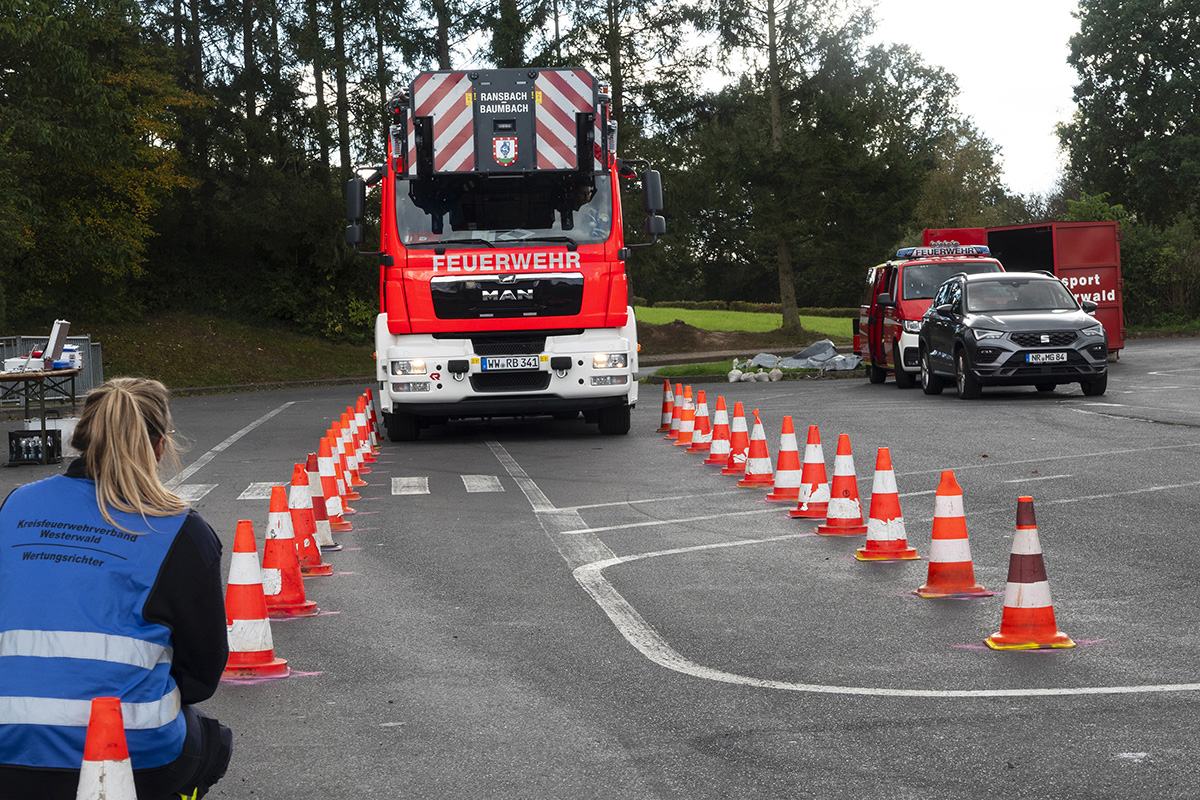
point(784, 496)
point(272, 668)
point(752, 482)
point(740, 470)
point(812, 512)
point(341, 527)
point(346, 509)
point(356, 482)
point(908, 554)
point(672, 437)
point(317, 570)
point(698, 448)
point(305, 609)
point(998, 641)
point(840, 530)
point(936, 592)
point(330, 548)
point(663, 428)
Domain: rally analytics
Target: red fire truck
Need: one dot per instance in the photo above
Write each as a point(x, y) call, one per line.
point(502, 285)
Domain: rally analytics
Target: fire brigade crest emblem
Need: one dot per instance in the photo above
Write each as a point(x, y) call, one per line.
point(504, 150)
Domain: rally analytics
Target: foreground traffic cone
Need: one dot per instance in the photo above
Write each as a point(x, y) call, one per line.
point(676, 411)
point(951, 572)
point(702, 436)
point(324, 534)
point(687, 420)
point(367, 454)
point(106, 772)
point(739, 443)
point(282, 582)
point(758, 459)
point(251, 651)
point(844, 517)
point(1028, 619)
point(329, 487)
point(668, 407)
point(886, 538)
point(787, 467)
point(813, 502)
point(304, 526)
point(718, 448)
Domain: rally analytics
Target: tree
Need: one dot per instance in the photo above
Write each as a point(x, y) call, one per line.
point(1136, 134)
point(964, 188)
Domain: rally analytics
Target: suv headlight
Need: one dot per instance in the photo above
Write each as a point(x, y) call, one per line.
point(1095, 330)
point(985, 334)
point(912, 325)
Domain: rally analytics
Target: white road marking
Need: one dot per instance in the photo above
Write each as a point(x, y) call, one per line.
point(652, 500)
point(410, 486)
point(1038, 478)
point(1044, 459)
point(589, 573)
point(260, 490)
point(655, 522)
point(194, 491)
point(482, 483)
point(195, 466)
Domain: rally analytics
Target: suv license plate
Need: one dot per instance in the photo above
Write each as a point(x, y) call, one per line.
point(511, 362)
point(1045, 358)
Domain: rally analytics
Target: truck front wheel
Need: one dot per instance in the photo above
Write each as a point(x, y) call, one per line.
point(614, 420)
point(402, 427)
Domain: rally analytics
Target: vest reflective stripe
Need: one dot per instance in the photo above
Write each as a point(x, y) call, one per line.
point(52, 711)
point(79, 644)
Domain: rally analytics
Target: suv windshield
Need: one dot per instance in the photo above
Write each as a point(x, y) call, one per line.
point(1031, 294)
point(921, 281)
point(504, 209)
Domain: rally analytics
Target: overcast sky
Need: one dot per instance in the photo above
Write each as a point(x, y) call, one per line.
point(1010, 59)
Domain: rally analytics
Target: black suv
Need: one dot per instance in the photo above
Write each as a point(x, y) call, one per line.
point(1010, 329)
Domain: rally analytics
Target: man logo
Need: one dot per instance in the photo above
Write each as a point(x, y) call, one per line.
point(508, 294)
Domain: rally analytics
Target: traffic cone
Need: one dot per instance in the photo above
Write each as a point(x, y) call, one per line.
point(324, 534)
point(345, 490)
point(282, 582)
point(886, 539)
point(349, 445)
point(251, 652)
point(718, 449)
point(951, 573)
point(360, 419)
point(1028, 618)
point(739, 443)
point(372, 421)
point(106, 772)
point(304, 526)
point(687, 420)
point(702, 435)
point(668, 407)
point(758, 460)
point(787, 467)
point(329, 487)
point(813, 502)
point(676, 411)
point(844, 516)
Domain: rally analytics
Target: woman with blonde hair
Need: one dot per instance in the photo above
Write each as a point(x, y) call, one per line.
point(110, 586)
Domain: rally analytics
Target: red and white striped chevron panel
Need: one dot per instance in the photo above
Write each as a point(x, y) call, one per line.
point(561, 94)
point(446, 96)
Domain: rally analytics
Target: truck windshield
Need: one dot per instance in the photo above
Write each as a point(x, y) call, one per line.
point(921, 281)
point(504, 209)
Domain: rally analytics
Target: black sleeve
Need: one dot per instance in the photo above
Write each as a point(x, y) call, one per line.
point(188, 599)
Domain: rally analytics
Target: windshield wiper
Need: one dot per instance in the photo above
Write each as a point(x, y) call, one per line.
point(571, 244)
point(440, 247)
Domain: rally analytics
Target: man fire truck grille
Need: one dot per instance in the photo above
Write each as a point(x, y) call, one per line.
point(510, 381)
point(491, 346)
point(1048, 339)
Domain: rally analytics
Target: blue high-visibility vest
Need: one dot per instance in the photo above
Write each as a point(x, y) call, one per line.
point(72, 589)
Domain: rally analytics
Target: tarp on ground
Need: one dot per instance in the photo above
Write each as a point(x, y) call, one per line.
point(821, 355)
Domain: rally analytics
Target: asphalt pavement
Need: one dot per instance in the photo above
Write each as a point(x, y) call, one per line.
point(527, 609)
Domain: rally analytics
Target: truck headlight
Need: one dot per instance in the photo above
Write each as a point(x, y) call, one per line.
point(414, 366)
point(912, 325)
point(610, 380)
point(413, 386)
point(610, 361)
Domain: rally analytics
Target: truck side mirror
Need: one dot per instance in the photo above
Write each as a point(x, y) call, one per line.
point(652, 194)
point(356, 199)
point(354, 235)
point(884, 300)
point(655, 225)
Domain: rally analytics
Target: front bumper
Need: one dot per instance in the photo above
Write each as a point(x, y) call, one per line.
point(1003, 362)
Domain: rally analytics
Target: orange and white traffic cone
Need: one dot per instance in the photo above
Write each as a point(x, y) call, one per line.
point(360, 419)
point(1028, 621)
point(813, 502)
point(349, 445)
point(886, 538)
point(304, 526)
point(106, 772)
point(324, 534)
point(282, 581)
point(951, 572)
point(372, 421)
point(687, 420)
point(676, 413)
point(702, 435)
point(326, 465)
point(718, 448)
point(844, 517)
point(739, 442)
point(251, 651)
point(787, 467)
point(668, 407)
point(345, 488)
point(758, 460)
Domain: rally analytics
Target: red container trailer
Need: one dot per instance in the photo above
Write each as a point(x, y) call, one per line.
point(1085, 256)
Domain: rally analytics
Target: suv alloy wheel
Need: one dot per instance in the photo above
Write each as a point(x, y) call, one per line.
point(968, 386)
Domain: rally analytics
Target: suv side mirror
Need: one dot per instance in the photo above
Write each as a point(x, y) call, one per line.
point(1090, 306)
point(945, 309)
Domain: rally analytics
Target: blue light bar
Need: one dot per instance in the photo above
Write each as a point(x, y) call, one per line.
point(944, 249)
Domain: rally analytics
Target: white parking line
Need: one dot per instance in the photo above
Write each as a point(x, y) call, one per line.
point(482, 483)
point(259, 490)
point(1038, 478)
point(211, 454)
point(194, 491)
point(402, 486)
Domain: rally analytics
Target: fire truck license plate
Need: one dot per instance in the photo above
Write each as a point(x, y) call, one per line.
point(511, 362)
point(1045, 358)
